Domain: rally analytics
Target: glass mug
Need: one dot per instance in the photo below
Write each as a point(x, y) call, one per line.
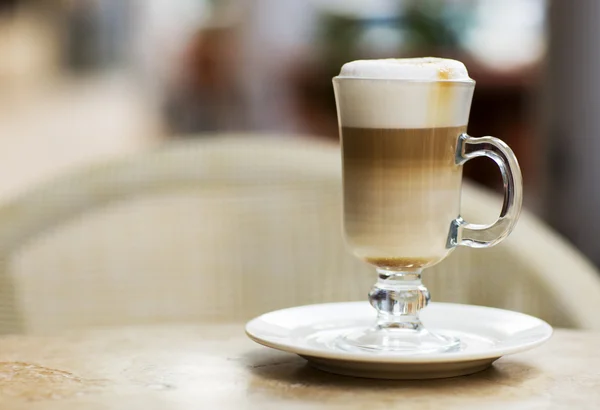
point(404, 143)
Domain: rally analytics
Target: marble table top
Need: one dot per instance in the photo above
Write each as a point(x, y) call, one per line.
point(217, 366)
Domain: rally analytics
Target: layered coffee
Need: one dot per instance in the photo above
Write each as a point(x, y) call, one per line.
point(401, 191)
point(399, 139)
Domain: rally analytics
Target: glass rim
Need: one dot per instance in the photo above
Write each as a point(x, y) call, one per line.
point(469, 81)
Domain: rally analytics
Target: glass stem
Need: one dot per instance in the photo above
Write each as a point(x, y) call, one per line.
point(398, 298)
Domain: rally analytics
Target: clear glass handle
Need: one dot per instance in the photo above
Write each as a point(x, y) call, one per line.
point(483, 236)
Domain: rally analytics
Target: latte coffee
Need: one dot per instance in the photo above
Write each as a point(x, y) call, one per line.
point(401, 191)
point(403, 133)
point(399, 140)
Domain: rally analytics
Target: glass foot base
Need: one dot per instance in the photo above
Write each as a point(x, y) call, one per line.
point(400, 341)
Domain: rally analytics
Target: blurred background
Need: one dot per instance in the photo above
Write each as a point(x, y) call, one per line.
point(86, 80)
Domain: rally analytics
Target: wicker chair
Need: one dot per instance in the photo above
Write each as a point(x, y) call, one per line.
point(222, 229)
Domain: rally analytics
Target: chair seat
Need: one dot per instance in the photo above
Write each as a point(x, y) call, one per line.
point(223, 229)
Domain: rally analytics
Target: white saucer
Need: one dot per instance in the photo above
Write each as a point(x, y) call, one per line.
point(486, 334)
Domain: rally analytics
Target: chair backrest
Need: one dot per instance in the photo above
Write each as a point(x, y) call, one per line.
point(221, 229)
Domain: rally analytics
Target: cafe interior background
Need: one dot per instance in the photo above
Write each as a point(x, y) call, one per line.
point(87, 82)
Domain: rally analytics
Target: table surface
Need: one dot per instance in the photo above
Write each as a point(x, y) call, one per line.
point(216, 366)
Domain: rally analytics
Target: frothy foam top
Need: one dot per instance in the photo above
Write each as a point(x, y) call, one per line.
point(371, 93)
point(427, 68)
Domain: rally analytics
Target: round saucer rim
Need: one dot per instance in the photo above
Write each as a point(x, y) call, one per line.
point(460, 356)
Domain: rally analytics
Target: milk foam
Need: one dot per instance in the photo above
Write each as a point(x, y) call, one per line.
point(436, 92)
point(428, 68)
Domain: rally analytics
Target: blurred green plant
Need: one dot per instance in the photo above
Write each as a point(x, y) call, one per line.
point(419, 27)
point(432, 24)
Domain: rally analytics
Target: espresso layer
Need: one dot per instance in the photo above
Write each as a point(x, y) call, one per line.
point(401, 148)
point(401, 192)
point(399, 264)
